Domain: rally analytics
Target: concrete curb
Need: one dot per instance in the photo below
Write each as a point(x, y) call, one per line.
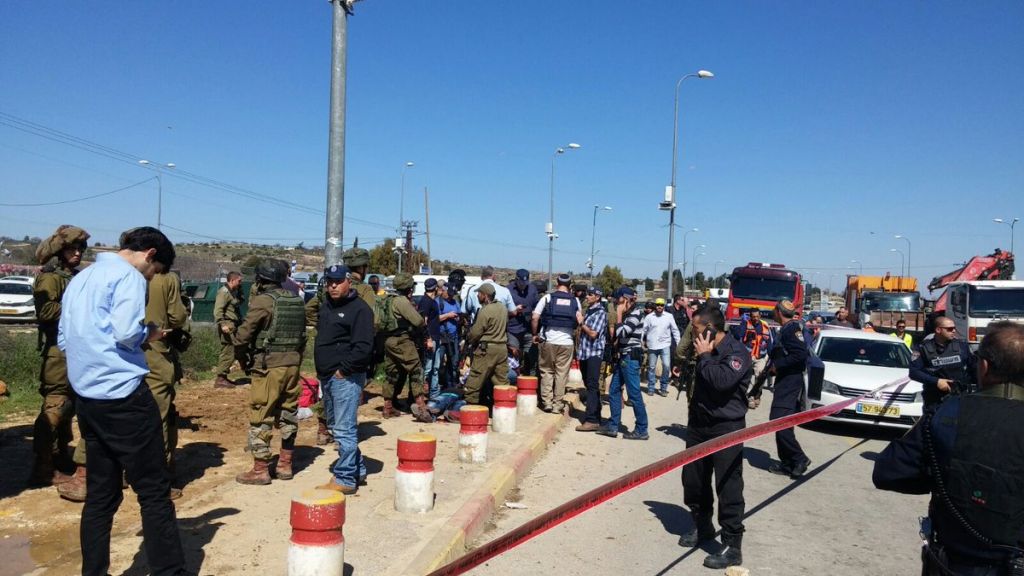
point(470, 520)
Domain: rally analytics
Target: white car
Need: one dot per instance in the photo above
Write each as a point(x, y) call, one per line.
point(16, 302)
point(857, 362)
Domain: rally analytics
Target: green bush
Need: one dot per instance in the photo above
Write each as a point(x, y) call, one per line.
point(19, 368)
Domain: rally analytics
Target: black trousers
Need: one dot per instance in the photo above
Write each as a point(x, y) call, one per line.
point(125, 435)
point(727, 466)
point(786, 401)
point(591, 369)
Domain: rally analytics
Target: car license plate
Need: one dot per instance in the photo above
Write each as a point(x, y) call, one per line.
point(8, 311)
point(878, 410)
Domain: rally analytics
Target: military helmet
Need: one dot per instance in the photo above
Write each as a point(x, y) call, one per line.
point(403, 282)
point(65, 236)
point(272, 270)
point(356, 257)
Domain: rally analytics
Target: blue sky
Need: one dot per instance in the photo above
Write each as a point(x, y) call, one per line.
point(828, 128)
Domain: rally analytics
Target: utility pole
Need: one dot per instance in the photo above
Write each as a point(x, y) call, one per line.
point(334, 231)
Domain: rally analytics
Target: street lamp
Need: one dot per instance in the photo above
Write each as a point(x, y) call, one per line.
point(401, 214)
point(902, 258)
point(670, 192)
point(907, 240)
point(860, 266)
point(1011, 224)
point(593, 235)
point(551, 221)
point(669, 286)
point(158, 168)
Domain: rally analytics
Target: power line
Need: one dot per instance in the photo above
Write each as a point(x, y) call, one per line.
point(82, 199)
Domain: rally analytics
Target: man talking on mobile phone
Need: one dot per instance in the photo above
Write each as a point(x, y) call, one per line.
point(718, 407)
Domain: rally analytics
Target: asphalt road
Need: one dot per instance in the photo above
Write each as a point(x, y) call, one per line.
point(832, 521)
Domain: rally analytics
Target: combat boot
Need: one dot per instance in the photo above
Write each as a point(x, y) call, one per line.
point(258, 476)
point(284, 465)
point(74, 489)
point(389, 410)
point(323, 435)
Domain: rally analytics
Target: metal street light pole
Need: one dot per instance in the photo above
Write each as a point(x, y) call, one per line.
point(902, 258)
point(334, 226)
point(551, 221)
point(593, 236)
point(158, 168)
point(670, 272)
point(670, 200)
point(401, 216)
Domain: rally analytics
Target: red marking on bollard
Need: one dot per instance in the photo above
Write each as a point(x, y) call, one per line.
point(527, 385)
point(504, 396)
point(317, 518)
point(416, 452)
point(473, 419)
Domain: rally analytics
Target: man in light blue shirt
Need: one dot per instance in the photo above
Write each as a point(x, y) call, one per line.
point(471, 304)
point(101, 332)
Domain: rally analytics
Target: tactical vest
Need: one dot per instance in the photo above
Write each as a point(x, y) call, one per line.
point(982, 480)
point(560, 311)
point(287, 330)
point(947, 365)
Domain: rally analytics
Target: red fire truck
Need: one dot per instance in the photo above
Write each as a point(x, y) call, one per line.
point(762, 285)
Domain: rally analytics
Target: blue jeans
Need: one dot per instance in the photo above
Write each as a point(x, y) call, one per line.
point(628, 371)
point(432, 370)
point(666, 367)
point(341, 400)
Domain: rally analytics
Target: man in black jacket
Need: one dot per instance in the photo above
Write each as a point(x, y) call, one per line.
point(719, 406)
point(344, 345)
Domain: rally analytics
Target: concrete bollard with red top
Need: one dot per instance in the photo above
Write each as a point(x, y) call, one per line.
point(473, 434)
point(504, 421)
point(526, 400)
point(414, 478)
point(317, 545)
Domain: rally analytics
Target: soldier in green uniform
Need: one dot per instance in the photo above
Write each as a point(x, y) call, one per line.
point(488, 337)
point(52, 430)
point(165, 309)
point(227, 315)
point(275, 329)
point(401, 358)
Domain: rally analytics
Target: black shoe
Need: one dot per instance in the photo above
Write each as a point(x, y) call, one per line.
point(697, 535)
point(606, 431)
point(799, 469)
point(780, 469)
point(635, 436)
point(729, 556)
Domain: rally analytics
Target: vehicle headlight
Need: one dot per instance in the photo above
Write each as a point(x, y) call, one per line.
point(830, 387)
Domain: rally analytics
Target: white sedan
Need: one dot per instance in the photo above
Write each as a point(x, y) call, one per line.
point(16, 302)
point(857, 362)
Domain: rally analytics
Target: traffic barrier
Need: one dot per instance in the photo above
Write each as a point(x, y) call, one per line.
point(504, 421)
point(526, 400)
point(609, 490)
point(414, 478)
point(317, 545)
point(473, 434)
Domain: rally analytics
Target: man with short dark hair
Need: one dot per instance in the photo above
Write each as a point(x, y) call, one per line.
point(969, 454)
point(555, 319)
point(718, 407)
point(342, 353)
point(789, 360)
point(102, 332)
point(943, 364)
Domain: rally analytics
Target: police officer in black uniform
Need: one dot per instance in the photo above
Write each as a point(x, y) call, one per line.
point(943, 364)
point(718, 407)
point(788, 362)
point(969, 454)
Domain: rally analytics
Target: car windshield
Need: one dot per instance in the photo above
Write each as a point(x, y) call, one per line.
point(991, 301)
point(864, 352)
point(891, 302)
point(15, 288)
point(770, 289)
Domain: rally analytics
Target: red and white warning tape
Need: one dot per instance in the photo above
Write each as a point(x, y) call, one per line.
point(609, 490)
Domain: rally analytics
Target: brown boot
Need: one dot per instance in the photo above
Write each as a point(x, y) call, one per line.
point(389, 410)
point(323, 435)
point(223, 382)
point(258, 476)
point(284, 465)
point(74, 489)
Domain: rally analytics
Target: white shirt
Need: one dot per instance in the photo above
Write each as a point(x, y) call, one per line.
point(557, 335)
point(660, 331)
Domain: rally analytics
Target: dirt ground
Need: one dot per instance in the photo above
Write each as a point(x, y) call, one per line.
point(40, 530)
